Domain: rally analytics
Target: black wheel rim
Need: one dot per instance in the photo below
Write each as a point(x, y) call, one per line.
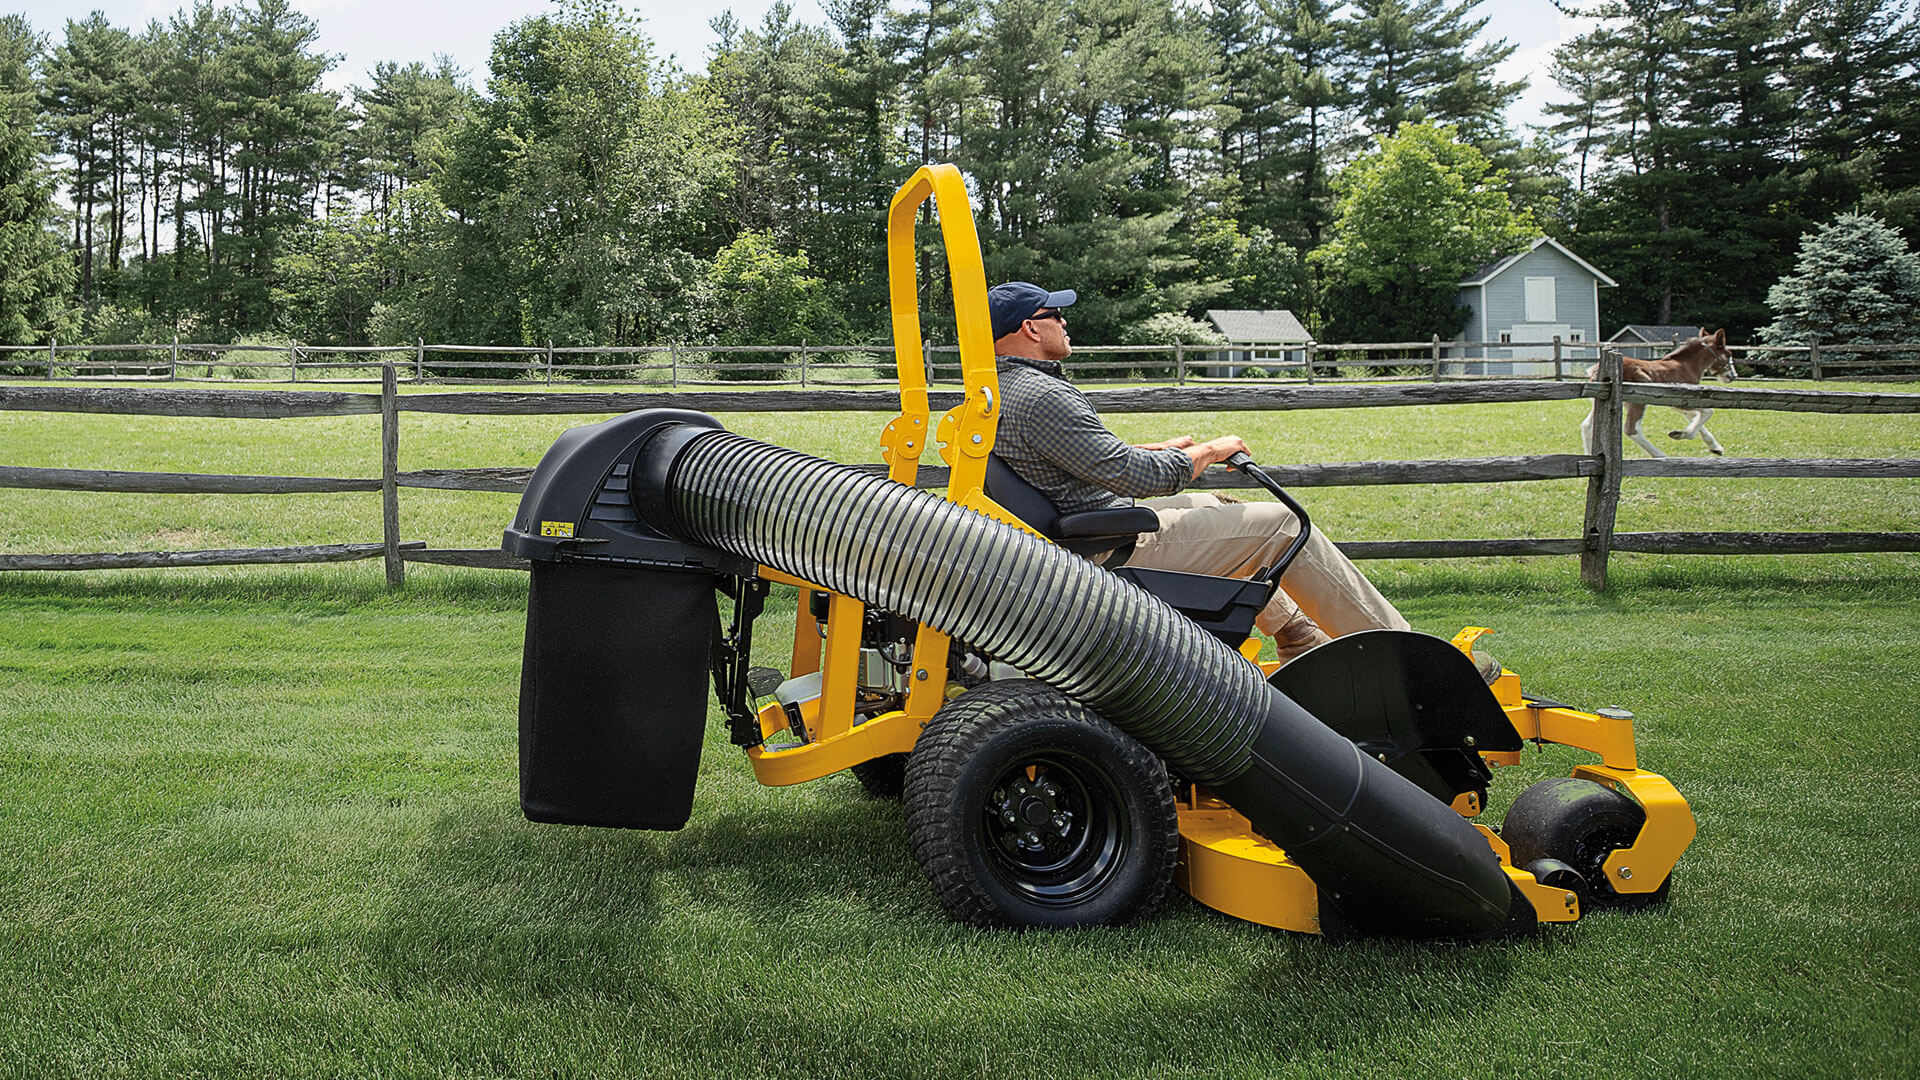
point(1590, 851)
point(1055, 828)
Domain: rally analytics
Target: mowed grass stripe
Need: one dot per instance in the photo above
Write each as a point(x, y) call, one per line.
point(265, 823)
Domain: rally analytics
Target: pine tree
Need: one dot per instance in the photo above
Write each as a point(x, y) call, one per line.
point(1417, 60)
point(405, 110)
point(37, 273)
point(1075, 156)
point(1688, 129)
point(1253, 105)
point(1313, 42)
point(1854, 281)
point(88, 101)
point(864, 158)
point(1852, 70)
point(934, 48)
point(282, 116)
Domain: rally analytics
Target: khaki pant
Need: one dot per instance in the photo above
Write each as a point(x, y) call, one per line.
point(1322, 595)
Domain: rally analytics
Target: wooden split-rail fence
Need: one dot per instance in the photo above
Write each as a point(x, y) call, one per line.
point(680, 366)
point(1604, 470)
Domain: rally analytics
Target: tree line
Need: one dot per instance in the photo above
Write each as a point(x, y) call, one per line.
point(1348, 161)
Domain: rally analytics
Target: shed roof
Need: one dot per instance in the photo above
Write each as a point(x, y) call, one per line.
point(1249, 326)
point(1495, 269)
point(1654, 335)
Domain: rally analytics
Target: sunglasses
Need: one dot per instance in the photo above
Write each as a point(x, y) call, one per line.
point(1048, 315)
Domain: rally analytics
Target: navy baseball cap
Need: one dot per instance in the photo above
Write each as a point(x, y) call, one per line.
point(1016, 301)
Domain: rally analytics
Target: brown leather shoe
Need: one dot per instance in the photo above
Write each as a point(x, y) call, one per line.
point(1298, 636)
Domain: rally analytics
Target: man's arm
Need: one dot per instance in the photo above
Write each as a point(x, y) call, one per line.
point(1212, 452)
point(1076, 442)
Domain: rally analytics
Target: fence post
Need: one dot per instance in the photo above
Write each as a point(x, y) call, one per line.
point(549, 361)
point(1179, 364)
point(1556, 358)
point(673, 364)
point(1813, 354)
point(1436, 358)
point(53, 349)
point(419, 359)
point(173, 364)
point(926, 358)
point(1603, 488)
point(803, 363)
point(293, 360)
point(389, 475)
point(1311, 359)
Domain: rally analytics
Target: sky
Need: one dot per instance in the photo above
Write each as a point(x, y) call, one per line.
point(364, 32)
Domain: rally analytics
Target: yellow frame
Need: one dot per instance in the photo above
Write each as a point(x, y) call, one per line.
point(835, 743)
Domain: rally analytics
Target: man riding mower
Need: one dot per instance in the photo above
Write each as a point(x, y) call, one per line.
point(1074, 738)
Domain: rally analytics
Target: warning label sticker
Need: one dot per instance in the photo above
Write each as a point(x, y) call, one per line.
point(556, 528)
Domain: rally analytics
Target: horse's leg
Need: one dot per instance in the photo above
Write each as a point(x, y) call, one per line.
point(1635, 411)
point(1586, 428)
point(1697, 428)
point(1713, 444)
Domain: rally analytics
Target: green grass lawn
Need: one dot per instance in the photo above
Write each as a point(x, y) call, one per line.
point(265, 821)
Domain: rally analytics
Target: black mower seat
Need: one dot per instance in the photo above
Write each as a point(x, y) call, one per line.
point(1224, 607)
point(1085, 532)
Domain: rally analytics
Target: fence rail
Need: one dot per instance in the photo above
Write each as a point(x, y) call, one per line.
point(1603, 471)
point(676, 365)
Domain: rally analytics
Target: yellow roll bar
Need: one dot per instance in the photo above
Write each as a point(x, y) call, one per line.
point(974, 421)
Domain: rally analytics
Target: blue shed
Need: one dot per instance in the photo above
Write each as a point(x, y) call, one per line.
point(1521, 303)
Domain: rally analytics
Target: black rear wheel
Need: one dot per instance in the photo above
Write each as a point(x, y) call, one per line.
point(1576, 824)
point(1026, 809)
point(883, 776)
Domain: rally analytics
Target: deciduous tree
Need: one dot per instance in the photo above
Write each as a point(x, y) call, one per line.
point(1415, 216)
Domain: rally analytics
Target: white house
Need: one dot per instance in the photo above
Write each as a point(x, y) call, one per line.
point(1524, 301)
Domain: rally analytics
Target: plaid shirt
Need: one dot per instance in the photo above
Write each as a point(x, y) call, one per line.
point(1051, 436)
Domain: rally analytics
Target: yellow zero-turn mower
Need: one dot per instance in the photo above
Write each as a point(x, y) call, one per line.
point(1068, 740)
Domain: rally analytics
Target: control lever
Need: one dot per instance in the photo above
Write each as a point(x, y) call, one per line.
point(1243, 462)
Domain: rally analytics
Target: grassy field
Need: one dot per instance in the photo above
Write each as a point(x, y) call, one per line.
point(264, 822)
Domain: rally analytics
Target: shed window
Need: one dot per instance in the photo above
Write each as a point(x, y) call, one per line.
point(1540, 300)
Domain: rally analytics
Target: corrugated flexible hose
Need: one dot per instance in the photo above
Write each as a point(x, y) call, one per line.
point(1388, 857)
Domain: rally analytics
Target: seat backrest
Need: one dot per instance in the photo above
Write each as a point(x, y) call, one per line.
point(1084, 532)
point(1027, 502)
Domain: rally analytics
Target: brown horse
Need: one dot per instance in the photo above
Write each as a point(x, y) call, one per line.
point(1691, 359)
